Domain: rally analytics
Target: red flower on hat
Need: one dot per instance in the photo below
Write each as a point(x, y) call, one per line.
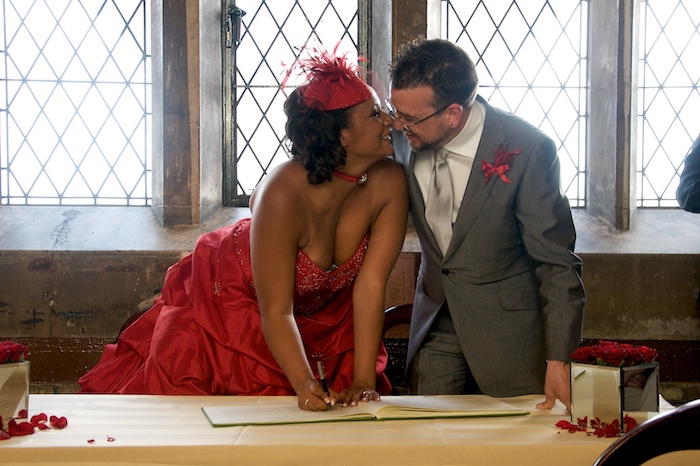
point(332, 82)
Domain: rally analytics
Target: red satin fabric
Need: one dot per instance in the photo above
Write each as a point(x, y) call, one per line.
point(203, 337)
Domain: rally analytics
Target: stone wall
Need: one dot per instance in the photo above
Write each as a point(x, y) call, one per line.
point(66, 305)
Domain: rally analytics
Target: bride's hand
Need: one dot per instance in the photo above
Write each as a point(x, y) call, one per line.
point(311, 397)
point(358, 393)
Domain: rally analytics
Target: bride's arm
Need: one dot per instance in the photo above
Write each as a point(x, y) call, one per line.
point(387, 233)
point(274, 239)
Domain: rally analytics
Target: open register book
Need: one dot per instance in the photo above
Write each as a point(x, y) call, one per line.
point(391, 407)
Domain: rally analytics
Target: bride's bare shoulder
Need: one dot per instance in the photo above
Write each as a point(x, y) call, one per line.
point(389, 171)
point(281, 186)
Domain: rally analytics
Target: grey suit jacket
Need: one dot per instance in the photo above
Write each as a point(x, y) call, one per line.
point(510, 276)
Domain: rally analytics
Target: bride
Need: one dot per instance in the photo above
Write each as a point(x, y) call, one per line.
point(257, 304)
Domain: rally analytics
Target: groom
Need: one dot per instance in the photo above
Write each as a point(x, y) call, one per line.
point(498, 307)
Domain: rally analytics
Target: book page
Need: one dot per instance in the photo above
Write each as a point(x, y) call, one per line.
point(412, 407)
point(391, 407)
point(236, 415)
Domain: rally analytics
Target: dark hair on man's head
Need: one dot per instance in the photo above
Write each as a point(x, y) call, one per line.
point(439, 64)
point(314, 138)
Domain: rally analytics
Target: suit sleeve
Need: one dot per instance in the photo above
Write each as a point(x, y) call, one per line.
point(688, 194)
point(549, 237)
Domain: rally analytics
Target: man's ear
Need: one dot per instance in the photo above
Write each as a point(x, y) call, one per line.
point(455, 112)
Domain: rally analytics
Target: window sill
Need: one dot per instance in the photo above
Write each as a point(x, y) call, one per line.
point(68, 228)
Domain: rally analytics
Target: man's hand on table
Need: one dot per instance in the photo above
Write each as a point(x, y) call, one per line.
point(557, 385)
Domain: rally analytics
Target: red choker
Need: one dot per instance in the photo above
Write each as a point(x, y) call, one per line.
point(352, 179)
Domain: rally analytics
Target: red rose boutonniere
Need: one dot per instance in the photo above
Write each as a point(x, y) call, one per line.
point(500, 165)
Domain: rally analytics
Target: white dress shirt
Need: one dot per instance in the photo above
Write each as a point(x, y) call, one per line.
point(463, 150)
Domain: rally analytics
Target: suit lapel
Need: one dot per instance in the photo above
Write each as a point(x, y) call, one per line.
point(477, 191)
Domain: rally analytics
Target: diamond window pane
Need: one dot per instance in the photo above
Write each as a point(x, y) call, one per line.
point(272, 36)
point(75, 103)
point(668, 98)
point(531, 60)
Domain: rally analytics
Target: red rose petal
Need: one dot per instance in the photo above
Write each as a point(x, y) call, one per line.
point(38, 421)
point(630, 423)
point(92, 440)
point(58, 422)
point(16, 429)
point(23, 414)
point(598, 428)
point(569, 426)
point(38, 418)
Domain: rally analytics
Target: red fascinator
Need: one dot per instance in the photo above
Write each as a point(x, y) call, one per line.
point(331, 82)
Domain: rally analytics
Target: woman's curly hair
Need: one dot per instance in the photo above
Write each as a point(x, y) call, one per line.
point(314, 138)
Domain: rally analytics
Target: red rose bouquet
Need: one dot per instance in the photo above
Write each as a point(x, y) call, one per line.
point(610, 353)
point(11, 351)
point(608, 380)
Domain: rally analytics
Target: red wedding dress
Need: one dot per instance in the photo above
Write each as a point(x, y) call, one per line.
point(203, 337)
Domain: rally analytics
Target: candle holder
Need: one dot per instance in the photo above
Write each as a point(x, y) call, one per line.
point(605, 393)
point(14, 390)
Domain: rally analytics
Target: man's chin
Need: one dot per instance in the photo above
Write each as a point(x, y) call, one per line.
point(421, 147)
point(415, 143)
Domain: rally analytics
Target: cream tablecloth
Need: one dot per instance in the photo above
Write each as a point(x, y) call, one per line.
point(150, 430)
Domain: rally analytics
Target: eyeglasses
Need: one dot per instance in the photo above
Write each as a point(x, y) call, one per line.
point(407, 126)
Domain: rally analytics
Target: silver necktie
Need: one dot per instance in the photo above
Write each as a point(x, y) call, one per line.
point(438, 207)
